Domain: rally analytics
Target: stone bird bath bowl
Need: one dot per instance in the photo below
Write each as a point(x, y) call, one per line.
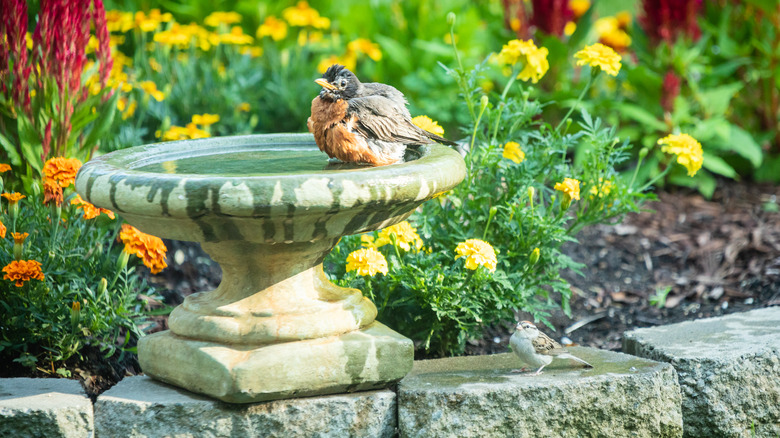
point(268, 209)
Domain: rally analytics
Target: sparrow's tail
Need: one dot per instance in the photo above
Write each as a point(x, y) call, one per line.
point(575, 358)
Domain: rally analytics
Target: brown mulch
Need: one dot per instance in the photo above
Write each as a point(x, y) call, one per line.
point(718, 256)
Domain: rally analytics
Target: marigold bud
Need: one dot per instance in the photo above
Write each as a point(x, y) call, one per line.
point(534, 257)
point(451, 18)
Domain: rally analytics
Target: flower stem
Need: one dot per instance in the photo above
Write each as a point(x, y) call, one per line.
point(576, 103)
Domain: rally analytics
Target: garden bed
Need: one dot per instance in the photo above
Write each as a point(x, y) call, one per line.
point(719, 256)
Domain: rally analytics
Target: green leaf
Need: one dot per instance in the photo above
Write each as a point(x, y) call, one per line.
point(10, 149)
point(101, 127)
point(30, 144)
point(641, 115)
point(743, 144)
point(716, 101)
point(768, 6)
point(716, 164)
point(395, 51)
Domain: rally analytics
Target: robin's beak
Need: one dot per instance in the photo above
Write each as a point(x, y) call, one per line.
point(322, 82)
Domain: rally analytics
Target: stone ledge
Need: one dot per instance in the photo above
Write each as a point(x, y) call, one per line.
point(728, 367)
point(44, 408)
point(478, 396)
point(142, 407)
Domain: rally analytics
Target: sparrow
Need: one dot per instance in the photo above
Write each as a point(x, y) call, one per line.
point(365, 123)
point(537, 349)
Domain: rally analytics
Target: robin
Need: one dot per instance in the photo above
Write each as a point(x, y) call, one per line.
point(363, 123)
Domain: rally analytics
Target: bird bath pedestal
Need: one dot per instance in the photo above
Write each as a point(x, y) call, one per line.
point(268, 209)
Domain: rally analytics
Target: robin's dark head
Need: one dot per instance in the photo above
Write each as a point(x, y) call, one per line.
point(338, 83)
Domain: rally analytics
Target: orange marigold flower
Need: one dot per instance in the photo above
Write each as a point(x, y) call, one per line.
point(62, 170)
point(20, 271)
point(90, 211)
point(3, 229)
point(4, 168)
point(150, 249)
point(52, 191)
point(13, 198)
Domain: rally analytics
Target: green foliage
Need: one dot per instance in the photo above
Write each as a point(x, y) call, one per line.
point(86, 297)
point(430, 295)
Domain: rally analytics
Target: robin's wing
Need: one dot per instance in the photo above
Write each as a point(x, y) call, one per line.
point(381, 118)
point(388, 91)
point(544, 344)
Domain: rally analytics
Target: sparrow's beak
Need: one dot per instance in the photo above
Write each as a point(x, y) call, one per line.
point(322, 82)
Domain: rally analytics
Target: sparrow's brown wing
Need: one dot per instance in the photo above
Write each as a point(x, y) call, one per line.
point(544, 344)
point(380, 118)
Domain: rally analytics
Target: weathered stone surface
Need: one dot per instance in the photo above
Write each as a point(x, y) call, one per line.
point(365, 359)
point(479, 396)
point(141, 407)
point(728, 368)
point(44, 408)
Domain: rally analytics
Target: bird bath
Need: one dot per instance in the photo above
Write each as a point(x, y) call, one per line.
point(268, 209)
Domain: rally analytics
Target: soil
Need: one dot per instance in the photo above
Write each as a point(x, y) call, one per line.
point(714, 256)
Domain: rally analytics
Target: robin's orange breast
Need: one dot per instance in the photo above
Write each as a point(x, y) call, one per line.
point(334, 133)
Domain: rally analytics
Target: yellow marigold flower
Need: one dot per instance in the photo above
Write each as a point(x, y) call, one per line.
point(624, 19)
point(243, 107)
point(4, 167)
point(148, 23)
point(599, 55)
point(273, 27)
point(601, 189)
point(579, 7)
point(569, 28)
point(367, 240)
point(29, 41)
point(367, 261)
point(63, 170)
point(220, 17)
point(426, 123)
point(150, 249)
point(205, 119)
point(477, 253)
point(3, 230)
point(52, 191)
point(118, 21)
point(512, 151)
point(20, 271)
point(533, 59)
point(130, 110)
point(570, 187)
point(151, 88)
point(13, 198)
point(177, 35)
point(688, 150)
point(405, 234)
point(610, 33)
point(90, 211)
point(253, 52)
point(302, 15)
point(363, 45)
point(184, 133)
point(236, 37)
point(348, 60)
point(155, 65)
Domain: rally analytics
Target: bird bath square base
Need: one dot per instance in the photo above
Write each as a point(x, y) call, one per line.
point(363, 359)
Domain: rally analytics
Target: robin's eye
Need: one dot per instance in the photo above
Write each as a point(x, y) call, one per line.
point(343, 83)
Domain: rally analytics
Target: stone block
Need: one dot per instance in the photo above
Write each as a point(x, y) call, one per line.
point(141, 407)
point(44, 408)
point(480, 396)
point(728, 368)
point(370, 358)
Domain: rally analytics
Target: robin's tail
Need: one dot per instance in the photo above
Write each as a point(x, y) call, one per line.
point(438, 139)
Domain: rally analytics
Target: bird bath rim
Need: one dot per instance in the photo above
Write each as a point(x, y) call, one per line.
point(400, 183)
